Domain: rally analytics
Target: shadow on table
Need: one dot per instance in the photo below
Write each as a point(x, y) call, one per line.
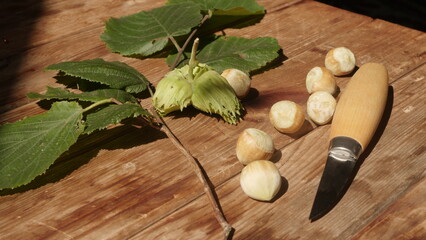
point(406, 13)
point(17, 23)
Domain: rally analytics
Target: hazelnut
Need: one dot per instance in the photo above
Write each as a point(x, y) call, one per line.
point(238, 80)
point(320, 79)
point(254, 144)
point(320, 107)
point(340, 61)
point(287, 116)
point(260, 180)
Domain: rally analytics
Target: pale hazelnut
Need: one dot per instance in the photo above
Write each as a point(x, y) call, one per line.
point(254, 144)
point(260, 180)
point(320, 79)
point(287, 116)
point(320, 107)
point(340, 61)
point(238, 80)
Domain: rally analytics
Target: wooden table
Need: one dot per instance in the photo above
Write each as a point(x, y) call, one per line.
point(130, 183)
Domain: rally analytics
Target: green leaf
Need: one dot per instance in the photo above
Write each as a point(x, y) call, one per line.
point(145, 33)
point(117, 75)
point(93, 96)
point(225, 5)
point(227, 13)
point(234, 52)
point(112, 114)
point(28, 147)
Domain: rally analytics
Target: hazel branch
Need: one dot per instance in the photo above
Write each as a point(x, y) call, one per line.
point(188, 40)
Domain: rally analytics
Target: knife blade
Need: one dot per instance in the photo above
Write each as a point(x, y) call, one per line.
point(358, 113)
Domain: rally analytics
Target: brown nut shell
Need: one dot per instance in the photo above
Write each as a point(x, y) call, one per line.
point(254, 144)
point(260, 180)
point(238, 80)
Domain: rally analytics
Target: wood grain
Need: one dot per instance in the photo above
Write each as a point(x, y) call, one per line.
point(50, 21)
point(383, 177)
point(406, 217)
point(131, 183)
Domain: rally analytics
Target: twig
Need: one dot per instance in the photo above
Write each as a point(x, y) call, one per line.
point(227, 228)
point(182, 49)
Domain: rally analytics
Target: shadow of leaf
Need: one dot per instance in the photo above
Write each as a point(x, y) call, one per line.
point(279, 61)
point(78, 83)
point(18, 23)
point(219, 22)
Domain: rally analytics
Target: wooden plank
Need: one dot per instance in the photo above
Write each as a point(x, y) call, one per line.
point(118, 188)
point(304, 26)
point(140, 200)
point(36, 22)
point(406, 217)
point(204, 146)
point(380, 42)
point(386, 174)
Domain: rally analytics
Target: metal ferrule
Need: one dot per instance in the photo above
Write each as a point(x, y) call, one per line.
point(344, 149)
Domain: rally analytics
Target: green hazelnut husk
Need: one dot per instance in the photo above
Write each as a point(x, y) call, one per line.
point(197, 84)
point(205, 89)
point(213, 94)
point(173, 93)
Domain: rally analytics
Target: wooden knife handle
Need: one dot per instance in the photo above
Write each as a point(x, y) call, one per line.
point(361, 104)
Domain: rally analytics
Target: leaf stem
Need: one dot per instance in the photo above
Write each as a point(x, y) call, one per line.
point(98, 103)
point(173, 40)
point(188, 40)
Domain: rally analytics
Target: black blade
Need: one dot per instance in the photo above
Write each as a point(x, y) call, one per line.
point(335, 180)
